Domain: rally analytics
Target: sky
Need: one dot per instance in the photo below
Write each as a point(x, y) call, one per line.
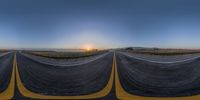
point(99, 23)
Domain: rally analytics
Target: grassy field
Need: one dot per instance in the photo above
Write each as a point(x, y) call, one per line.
point(164, 52)
point(3, 51)
point(64, 55)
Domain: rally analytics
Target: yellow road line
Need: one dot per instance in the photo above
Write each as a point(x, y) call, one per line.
point(27, 93)
point(9, 92)
point(123, 95)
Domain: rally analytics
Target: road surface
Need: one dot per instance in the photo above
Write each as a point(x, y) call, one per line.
point(111, 77)
point(6, 62)
point(157, 79)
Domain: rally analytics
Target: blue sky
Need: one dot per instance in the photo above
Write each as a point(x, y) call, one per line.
point(99, 23)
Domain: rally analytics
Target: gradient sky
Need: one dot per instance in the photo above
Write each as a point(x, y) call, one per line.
point(99, 23)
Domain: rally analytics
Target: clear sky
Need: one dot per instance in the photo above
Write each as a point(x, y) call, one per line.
point(99, 23)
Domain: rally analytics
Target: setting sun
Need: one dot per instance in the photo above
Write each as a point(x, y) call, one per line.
point(87, 47)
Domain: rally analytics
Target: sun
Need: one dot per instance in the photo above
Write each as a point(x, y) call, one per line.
point(87, 47)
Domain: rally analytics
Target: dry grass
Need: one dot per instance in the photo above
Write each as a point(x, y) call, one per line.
point(3, 51)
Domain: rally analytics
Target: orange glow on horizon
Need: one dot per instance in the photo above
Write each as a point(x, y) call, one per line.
point(87, 47)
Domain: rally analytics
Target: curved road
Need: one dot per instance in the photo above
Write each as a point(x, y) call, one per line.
point(153, 79)
point(134, 79)
point(63, 63)
point(74, 80)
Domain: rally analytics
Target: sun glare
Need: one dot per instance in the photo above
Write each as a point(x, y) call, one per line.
point(87, 47)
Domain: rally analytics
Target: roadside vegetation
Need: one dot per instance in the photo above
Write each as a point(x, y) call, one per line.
point(161, 51)
point(3, 50)
point(65, 55)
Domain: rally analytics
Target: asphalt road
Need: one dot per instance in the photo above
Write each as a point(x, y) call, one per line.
point(145, 78)
point(63, 62)
point(113, 76)
point(66, 81)
point(6, 62)
point(162, 58)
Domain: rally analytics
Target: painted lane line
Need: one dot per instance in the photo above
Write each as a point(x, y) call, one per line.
point(27, 93)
